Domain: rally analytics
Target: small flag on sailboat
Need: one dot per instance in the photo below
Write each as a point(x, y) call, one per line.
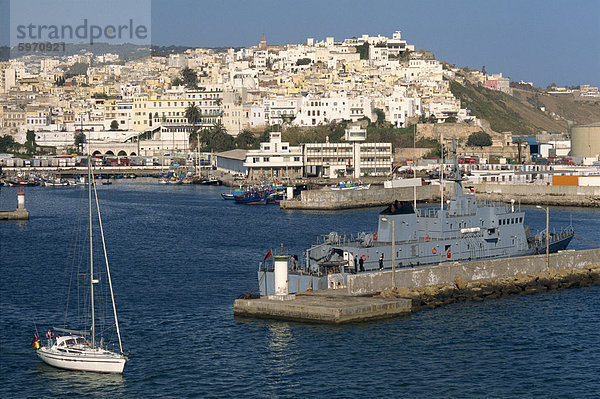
point(268, 255)
point(36, 343)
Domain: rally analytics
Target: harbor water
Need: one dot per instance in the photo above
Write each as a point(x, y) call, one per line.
point(180, 255)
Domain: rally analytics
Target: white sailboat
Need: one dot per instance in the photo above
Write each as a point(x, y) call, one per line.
point(79, 350)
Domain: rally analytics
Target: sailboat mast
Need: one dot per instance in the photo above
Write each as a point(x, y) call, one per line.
point(112, 296)
point(91, 250)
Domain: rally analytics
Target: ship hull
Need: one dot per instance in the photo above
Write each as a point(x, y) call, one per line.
point(103, 362)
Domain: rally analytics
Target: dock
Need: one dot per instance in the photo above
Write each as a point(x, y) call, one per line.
point(21, 213)
point(326, 199)
point(369, 296)
point(324, 306)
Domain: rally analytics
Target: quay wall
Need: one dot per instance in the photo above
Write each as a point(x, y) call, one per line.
point(19, 214)
point(326, 199)
point(447, 273)
point(540, 195)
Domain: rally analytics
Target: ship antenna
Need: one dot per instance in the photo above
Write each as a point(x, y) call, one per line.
point(442, 172)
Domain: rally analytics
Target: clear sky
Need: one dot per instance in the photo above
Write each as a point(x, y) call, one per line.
point(541, 41)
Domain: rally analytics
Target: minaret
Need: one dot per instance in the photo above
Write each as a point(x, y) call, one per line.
point(263, 43)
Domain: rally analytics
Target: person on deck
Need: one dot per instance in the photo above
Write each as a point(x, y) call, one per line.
point(381, 262)
point(50, 336)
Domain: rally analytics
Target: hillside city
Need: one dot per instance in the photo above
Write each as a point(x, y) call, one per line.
point(356, 107)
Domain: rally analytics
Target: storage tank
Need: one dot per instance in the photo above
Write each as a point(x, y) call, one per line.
point(585, 141)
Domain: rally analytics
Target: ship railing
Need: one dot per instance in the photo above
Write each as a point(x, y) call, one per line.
point(427, 213)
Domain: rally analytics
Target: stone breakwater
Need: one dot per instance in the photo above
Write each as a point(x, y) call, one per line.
point(327, 199)
point(540, 195)
point(443, 294)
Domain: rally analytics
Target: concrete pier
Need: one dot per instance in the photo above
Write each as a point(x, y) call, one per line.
point(326, 199)
point(323, 306)
point(535, 194)
point(370, 295)
point(20, 213)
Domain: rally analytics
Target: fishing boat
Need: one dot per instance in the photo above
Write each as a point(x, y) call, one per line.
point(231, 196)
point(211, 181)
point(253, 196)
point(462, 230)
point(343, 186)
point(56, 182)
point(80, 349)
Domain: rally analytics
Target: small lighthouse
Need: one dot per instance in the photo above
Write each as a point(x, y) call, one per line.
point(281, 276)
point(21, 213)
point(21, 199)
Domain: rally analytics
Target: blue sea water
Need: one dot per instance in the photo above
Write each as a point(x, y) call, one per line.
point(179, 257)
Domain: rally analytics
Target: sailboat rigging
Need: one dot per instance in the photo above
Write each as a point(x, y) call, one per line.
point(74, 351)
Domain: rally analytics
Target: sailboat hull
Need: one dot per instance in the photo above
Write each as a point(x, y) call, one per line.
point(99, 361)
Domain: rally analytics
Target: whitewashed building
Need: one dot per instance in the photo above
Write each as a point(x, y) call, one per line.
point(274, 159)
point(354, 158)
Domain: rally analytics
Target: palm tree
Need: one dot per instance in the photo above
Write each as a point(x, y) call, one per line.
point(218, 128)
point(246, 140)
point(192, 114)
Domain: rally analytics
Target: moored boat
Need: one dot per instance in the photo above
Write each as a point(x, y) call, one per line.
point(343, 186)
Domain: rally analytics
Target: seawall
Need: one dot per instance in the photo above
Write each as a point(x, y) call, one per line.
point(446, 273)
point(460, 290)
point(540, 195)
point(19, 214)
point(370, 296)
point(327, 199)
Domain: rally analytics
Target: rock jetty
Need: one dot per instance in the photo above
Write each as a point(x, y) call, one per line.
point(443, 294)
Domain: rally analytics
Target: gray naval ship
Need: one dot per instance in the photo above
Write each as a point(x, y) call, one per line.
point(462, 230)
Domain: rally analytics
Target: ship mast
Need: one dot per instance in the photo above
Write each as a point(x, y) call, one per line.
point(91, 248)
point(442, 172)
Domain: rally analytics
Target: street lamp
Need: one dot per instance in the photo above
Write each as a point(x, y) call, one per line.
point(393, 250)
point(547, 236)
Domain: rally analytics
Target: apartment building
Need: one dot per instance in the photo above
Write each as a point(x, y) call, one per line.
point(274, 159)
point(353, 158)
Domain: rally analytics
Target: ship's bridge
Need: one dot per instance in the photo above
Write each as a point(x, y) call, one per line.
point(402, 216)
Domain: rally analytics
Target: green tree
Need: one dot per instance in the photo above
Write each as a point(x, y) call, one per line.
point(246, 140)
point(114, 125)
point(7, 144)
point(479, 139)
point(78, 68)
point(30, 143)
point(189, 78)
point(363, 50)
point(79, 141)
point(216, 139)
point(177, 81)
point(380, 117)
point(192, 114)
point(303, 61)
point(450, 119)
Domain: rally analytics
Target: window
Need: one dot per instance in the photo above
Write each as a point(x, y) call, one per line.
point(296, 159)
point(255, 160)
point(266, 159)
